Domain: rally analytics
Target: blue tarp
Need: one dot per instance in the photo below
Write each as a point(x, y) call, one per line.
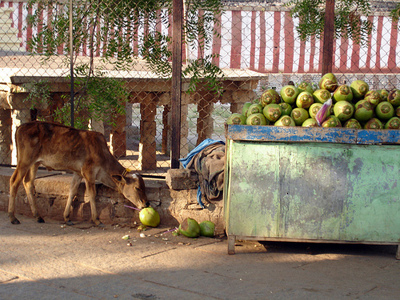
point(207, 142)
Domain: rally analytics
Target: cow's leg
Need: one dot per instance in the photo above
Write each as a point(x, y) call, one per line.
point(91, 192)
point(90, 180)
point(15, 181)
point(30, 191)
point(73, 191)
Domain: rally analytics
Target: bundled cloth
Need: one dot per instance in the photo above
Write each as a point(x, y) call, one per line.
point(208, 161)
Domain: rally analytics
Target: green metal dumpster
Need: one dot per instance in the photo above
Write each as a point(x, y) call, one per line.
point(325, 185)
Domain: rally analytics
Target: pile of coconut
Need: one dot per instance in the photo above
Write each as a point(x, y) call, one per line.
point(327, 104)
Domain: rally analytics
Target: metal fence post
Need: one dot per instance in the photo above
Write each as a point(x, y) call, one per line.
point(329, 35)
point(71, 45)
point(176, 85)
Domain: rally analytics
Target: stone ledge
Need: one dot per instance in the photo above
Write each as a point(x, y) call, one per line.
point(52, 191)
point(181, 179)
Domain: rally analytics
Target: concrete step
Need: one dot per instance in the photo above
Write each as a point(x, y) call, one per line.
point(5, 20)
point(52, 192)
point(9, 37)
point(12, 48)
point(8, 30)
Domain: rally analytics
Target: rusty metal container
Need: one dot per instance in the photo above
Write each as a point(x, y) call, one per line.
point(327, 185)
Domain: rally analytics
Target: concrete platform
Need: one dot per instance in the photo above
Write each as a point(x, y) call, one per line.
point(52, 192)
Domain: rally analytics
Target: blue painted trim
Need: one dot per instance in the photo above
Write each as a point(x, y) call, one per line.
point(312, 134)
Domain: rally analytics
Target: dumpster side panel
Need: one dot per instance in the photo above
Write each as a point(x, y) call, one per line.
point(313, 190)
point(253, 208)
point(340, 192)
point(373, 206)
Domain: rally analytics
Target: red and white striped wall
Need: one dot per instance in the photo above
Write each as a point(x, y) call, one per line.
point(267, 42)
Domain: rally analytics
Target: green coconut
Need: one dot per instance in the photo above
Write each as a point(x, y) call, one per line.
point(363, 111)
point(270, 96)
point(149, 217)
point(254, 109)
point(207, 228)
point(285, 121)
point(384, 110)
point(190, 228)
point(373, 123)
point(373, 97)
point(305, 87)
point(289, 93)
point(245, 108)
point(342, 93)
point(328, 82)
point(299, 115)
point(331, 121)
point(394, 97)
point(393, 123)
point(384, 94)
point(310, 122)
point(272, 112)
point(321, 96)
point(314, 108)
point(343, 110)
point(257, 119)
point(304, 100)
point(397, 112)
point(236, 119)
point(359, 89)
point(352, 123)
point(286, 108)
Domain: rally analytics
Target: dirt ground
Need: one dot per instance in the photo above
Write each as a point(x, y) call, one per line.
point(51, 261)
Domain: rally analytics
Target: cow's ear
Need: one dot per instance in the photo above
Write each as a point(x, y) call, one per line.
point(119, 179)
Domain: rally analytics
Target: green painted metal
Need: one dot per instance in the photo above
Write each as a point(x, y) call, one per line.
point(312, 191)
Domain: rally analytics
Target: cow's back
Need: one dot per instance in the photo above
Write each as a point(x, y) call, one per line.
point(59, 147)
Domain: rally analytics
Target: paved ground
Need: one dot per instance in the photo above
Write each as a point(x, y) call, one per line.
point(48, 261)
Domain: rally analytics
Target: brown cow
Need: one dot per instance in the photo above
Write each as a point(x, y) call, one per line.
point(85, 153)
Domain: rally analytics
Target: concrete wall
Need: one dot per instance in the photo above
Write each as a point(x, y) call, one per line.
point(52, 192)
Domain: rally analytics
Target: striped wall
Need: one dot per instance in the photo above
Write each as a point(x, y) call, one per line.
point(267, 42)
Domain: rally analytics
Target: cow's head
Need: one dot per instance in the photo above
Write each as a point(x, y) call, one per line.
point(133, 188)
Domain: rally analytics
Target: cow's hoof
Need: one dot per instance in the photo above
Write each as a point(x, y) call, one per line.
point(99, 224)
point(40, 220)
point(15, 222)
point(69, 223)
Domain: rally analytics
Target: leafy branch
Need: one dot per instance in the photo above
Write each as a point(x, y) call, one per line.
point(350, 19)
point(395, 13)
point(121, 32)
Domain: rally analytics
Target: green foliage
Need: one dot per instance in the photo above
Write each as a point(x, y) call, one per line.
point(105, 27)
point(210, 78)
point(112, 30)
point(201, 15)
point(39, 93)
point(395, 13)
point(201, 20)
point(98, 97)
point(350, 21)
point(63, 114)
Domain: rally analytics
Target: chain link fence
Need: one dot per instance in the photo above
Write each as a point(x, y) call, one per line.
point(256, 46)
